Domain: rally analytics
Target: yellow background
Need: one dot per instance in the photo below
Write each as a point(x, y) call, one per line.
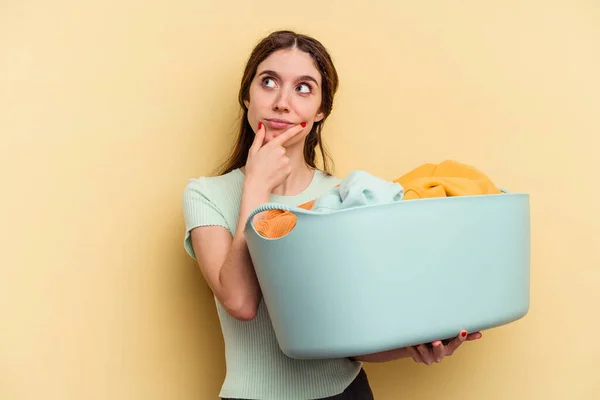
point(108, 107)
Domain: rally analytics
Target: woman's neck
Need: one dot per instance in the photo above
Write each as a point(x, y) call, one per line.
point(300, 178)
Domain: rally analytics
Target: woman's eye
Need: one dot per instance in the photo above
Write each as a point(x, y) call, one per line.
point(304, 88)
point(268, 82)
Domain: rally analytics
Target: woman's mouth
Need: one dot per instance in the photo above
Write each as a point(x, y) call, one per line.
point(277, 124)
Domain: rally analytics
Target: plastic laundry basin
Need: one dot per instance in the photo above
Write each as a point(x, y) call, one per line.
point(379, 277)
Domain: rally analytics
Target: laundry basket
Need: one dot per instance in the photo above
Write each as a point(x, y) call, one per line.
point(378, 277)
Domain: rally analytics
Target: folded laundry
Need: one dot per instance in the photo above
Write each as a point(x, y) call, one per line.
point(446, 179)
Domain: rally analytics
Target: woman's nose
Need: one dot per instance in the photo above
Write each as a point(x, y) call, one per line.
point(281, 102)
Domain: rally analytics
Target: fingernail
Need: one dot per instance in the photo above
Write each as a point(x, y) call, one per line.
point(259, 125)
point(436, 343)
point(463, 333)
point(303, 124)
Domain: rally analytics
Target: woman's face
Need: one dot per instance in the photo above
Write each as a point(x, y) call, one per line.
point(285, 91)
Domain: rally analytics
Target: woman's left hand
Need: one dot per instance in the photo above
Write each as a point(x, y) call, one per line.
point(434, 352)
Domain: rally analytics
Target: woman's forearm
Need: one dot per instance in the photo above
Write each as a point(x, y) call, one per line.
point(237, 270)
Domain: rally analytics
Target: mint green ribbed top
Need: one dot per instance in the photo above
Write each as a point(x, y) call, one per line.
point(256, 367)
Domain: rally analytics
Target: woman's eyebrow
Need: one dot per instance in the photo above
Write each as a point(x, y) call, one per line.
point(277, 76)
point(308, 78)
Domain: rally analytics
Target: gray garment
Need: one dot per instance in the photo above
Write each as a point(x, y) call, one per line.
point(359, 389)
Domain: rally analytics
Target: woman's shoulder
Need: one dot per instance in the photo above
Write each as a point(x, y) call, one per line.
point(210, 185)
point(220, 192)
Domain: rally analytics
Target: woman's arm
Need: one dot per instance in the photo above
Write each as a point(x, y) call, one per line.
point(426, 353)
point(225, 261)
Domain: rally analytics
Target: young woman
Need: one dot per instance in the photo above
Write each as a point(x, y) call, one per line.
point(286, 95)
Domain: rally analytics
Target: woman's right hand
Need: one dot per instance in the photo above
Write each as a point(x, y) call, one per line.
point(267, 165)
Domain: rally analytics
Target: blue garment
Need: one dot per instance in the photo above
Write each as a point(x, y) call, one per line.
point(359, 188)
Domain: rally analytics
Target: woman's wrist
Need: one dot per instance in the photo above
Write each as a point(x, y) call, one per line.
point(253, 196)
point(255, 188)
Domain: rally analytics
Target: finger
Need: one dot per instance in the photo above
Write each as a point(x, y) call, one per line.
point(455, 343)
point(259, 137)
point(288, 134)
point(439, 351)
point(474, 336)
point(414, 354)
point(425, 353)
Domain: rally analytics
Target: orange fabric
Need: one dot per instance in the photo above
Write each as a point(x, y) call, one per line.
point(277, 223)
point(446, 179)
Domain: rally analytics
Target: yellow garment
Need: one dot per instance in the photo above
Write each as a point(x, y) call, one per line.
point(446, 179)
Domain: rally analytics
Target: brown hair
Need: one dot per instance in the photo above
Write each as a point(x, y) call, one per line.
point(277, 41)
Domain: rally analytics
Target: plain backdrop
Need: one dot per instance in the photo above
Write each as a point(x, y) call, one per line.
point(108, 107)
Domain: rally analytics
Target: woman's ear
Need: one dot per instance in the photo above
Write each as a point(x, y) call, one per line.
point(320, 115)
point(246, 102)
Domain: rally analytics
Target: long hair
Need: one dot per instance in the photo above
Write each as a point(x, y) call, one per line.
point(277, 41)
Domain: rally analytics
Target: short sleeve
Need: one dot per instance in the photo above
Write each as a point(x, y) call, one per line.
point(199, 210)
